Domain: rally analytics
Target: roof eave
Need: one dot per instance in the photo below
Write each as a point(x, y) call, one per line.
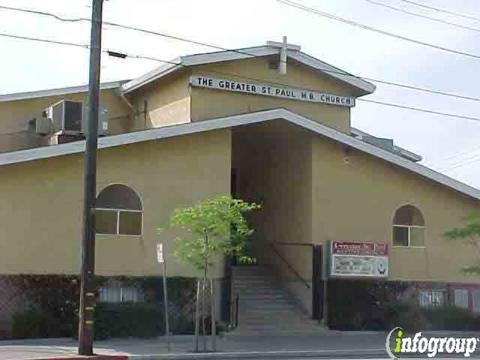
point(58, 91)
point(363, 87)
point(238, 120)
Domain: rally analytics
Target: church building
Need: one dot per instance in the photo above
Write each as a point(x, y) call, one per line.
point(267, 124)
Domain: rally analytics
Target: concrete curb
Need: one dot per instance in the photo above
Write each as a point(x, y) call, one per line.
point(326, 354)
point(77, 357)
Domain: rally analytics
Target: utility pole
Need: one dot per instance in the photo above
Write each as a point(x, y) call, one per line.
point(87, 285)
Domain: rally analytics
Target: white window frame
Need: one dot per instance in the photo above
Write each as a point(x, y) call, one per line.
point(475, 294)
point(118, 211)
point(139, 296)
point(431, 294)
point(409, 227)
point(456, 295)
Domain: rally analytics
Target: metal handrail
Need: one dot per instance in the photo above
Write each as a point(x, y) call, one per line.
point(234, 311)
point(289, 266)
point(293, 244)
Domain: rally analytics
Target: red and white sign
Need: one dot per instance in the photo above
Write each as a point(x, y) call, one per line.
point(358, 259)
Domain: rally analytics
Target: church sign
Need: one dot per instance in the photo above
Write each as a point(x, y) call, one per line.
point(270, 90)
point(358, 259)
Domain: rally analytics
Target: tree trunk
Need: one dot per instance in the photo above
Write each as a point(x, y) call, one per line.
point(197, 315)
point(204, 327)
point(214, 325)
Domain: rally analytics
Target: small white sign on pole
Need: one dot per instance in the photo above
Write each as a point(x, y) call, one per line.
point(160, 258)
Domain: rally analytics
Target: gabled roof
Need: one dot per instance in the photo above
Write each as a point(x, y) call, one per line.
point(238, 120)
point(294, 53)
point(364, 87)
point(58, 91)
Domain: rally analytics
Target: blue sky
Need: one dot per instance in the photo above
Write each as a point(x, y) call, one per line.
point(445, 143)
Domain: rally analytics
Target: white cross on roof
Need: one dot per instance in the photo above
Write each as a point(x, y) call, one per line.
point(284, 46)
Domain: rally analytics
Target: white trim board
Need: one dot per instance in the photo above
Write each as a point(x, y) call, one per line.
point(57, 92)
point(232, 121)
point(246, 53)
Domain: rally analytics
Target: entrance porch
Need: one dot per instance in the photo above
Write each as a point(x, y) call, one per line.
point(272, 166)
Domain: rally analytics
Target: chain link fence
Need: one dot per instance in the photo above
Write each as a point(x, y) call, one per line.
point(47, 306)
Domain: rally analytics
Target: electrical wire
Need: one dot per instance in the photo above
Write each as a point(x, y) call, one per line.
point(441, 10)
point(174, 37)
point(465, 162)
point(370, 28)
point(286, 2)
point(422, 16)
point(83, 46)
point(114, 24)
point(241, 76)
point(454, 156)
point(428, 111)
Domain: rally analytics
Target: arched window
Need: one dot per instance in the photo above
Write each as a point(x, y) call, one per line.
point(408, 227)
point(118, 211)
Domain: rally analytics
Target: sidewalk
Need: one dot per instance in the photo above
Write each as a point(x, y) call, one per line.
point(334, 344)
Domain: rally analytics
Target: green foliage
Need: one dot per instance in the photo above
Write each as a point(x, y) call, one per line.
point(360, 304)
point(469, 234)
point(452, 318)
point(216, 227)
point(35, 324)
point(52, 307)
point(126, 320)
point(408, 316)
point(374, 305)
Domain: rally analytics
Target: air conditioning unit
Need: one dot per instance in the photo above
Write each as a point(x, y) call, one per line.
point(43, 125)
point(102, 120)
point(69, 117)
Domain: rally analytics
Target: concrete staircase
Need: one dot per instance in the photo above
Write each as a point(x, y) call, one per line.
point(267, 308)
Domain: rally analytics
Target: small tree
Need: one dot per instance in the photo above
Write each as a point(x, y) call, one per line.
point(216, 228)
point(469, 234)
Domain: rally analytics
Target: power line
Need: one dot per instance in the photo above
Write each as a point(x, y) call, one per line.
point(109, 23)
point(44, 13)
point(461, 163)
point(423, 16)
point(245, 77)
point(420, 109)
point(417, 88)
point(83, 46)
point(370, 28)
point(174, 37)
point(441, 10)
point(454, 156)
point(56, 42)
point(472, 155)
point(405, 107)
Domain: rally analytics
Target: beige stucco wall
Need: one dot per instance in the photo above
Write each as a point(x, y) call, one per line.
point(311, 191)
point(354, 199)
point(273, 166)
point(208, 103)
point(171, 100)
point(15, 115)
point(41, 215)
point(163, 102)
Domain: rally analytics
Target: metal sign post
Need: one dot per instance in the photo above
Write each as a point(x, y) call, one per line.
point(161, 260)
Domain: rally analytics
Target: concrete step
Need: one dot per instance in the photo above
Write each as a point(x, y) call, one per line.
point(265, 306)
